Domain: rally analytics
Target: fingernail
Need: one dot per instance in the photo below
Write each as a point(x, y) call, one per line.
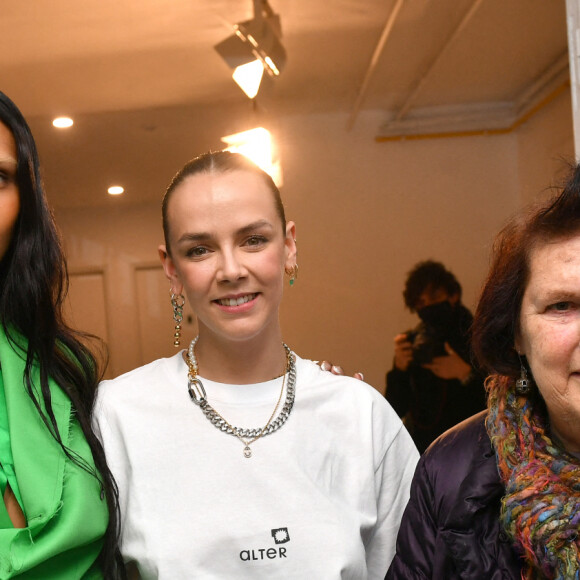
point(336, 370)
point(359, 376)
point(325, 366)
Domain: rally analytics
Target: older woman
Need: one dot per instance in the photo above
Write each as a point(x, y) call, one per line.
point(236, 458)
point(58, 517)
point(499, 495)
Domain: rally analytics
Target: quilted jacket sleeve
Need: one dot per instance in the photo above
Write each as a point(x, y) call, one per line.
point(450, 529)
point(418, 532)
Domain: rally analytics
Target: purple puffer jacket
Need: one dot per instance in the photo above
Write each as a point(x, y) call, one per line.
point(450, 528)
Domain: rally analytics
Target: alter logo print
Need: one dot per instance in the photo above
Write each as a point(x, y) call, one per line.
point(281, 535)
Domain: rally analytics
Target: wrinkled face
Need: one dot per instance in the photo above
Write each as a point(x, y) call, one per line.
point(228, 253)
point(549, 333)
point(9, 195)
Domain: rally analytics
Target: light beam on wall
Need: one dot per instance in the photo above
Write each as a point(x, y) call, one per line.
point(256, 144)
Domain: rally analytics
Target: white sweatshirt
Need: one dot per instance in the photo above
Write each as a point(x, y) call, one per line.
point(321, 498)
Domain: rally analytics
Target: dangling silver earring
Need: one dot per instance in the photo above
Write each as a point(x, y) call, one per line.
point(177, 302)
point(523, 384)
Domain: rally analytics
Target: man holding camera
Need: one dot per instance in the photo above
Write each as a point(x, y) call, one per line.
point(432, 384)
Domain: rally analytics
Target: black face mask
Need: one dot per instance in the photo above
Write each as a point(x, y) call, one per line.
point(442, 317)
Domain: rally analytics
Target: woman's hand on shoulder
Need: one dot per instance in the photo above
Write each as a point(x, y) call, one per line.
point(337, 370)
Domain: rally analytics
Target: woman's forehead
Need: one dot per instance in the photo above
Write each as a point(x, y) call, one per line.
point(215, 188)
point(228, 197)
point(552, 262)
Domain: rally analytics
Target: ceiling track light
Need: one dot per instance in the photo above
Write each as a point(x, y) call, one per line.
point(254, 49)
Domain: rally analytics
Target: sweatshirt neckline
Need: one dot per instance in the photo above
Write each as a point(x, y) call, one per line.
point(254, 393)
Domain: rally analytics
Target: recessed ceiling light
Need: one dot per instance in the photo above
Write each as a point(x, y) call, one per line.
point(115, 190)
point(63, 122)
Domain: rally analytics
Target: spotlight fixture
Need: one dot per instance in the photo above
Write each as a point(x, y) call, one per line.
point(115, 190)
point(254, 49)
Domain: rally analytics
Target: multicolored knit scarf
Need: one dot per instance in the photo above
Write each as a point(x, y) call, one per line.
point(541, 507)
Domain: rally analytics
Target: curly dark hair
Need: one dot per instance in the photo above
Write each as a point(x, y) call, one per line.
point(33, 286)
point(497, 316)
point(428, 275)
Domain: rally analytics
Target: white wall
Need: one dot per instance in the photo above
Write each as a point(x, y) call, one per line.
point(545, 149)
point(365, 213)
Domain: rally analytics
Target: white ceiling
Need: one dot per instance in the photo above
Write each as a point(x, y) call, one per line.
point(144, 84)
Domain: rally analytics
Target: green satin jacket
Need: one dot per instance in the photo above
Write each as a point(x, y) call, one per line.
point(66, 517)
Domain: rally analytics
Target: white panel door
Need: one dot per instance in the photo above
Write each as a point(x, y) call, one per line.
point(85, 308)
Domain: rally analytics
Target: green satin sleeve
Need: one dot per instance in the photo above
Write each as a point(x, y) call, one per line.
point(7, 475)
point(66, 516)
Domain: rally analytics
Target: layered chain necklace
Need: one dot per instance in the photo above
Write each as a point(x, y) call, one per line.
point(246, 436)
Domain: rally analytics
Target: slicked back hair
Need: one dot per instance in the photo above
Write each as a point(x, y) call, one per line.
point(218, 162)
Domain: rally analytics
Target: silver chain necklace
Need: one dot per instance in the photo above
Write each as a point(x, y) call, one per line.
point(246, 436)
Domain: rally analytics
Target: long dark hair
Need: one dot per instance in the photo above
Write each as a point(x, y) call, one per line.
point(497, 317)
point(33, 286)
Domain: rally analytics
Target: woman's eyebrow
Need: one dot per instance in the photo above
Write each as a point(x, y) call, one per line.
point(254, 226)
point(560, 295)
point(203, 236)
point(194, 237)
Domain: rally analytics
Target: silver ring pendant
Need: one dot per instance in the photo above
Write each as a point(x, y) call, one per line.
point(196, 391)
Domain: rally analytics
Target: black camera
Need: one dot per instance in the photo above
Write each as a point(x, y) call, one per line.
point(427, 344)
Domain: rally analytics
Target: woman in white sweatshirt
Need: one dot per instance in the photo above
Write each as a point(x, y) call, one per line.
point(236, 458)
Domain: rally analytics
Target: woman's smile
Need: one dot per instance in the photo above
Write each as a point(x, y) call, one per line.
point(234, 303)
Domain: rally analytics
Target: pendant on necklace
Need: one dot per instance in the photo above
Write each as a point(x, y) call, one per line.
point(247, 452)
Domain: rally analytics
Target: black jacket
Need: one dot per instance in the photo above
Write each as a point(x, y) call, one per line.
point(450, 529)
point(430, 405)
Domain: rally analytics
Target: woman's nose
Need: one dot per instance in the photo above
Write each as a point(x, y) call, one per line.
point(231, 267)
